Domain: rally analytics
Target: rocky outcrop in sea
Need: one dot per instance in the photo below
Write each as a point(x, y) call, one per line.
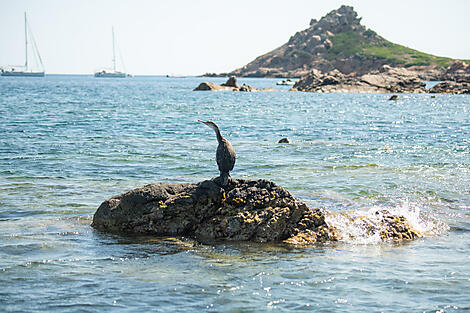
point(451, 87)
point(243, 210)
point(230, 85)
point(387, 79)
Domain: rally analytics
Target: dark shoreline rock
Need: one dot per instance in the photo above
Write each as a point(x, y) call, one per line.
point(244, 210)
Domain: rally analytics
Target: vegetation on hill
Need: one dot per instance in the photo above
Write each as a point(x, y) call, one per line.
point(351, 43)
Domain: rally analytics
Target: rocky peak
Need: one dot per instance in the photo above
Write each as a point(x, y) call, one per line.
point(337, 21)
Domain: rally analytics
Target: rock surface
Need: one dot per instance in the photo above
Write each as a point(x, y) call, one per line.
point(244, 210)
point(459, 71)
point(387, 79)
point(284, 140)
point(208, 86)
point(450, 87)
point(231, 82)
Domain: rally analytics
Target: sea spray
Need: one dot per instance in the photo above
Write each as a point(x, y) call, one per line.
point(366, 225)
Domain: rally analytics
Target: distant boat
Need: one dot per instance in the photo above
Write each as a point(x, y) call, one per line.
point(285, 82)
point(112, 73)
point(25, 71)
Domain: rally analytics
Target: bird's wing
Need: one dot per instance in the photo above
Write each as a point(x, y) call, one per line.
point(225, 156)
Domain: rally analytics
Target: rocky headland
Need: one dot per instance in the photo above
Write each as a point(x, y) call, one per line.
point(243, 210)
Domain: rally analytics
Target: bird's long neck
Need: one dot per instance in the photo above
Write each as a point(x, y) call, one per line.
point(217, 133)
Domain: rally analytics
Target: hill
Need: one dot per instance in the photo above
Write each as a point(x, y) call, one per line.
point(339, 41)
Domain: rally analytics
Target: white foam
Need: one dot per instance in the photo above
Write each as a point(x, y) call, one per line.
point(363, 226)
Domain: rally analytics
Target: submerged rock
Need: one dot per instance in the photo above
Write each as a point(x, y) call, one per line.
point(244, 210)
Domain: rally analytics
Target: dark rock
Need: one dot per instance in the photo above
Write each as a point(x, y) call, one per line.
point(451, 87)
point(387, 79)
point(284, 140)
point(256, 210)
point(393, 97)
point(245, 87)
point(243, 210)
point(231, 82)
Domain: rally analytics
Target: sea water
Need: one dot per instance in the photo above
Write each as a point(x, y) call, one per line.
point(67, 143)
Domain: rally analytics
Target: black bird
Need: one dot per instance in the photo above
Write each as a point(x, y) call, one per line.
point(225, 155)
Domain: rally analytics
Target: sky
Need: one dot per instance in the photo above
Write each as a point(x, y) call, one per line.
point(192, 37)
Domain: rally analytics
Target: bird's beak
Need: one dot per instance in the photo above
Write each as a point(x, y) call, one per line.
point(202, 122)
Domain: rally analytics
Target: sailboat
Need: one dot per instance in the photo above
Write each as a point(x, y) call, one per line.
point(112, 73)
point(25, 70)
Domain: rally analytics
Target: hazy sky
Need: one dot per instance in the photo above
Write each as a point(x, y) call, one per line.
point(192, 37)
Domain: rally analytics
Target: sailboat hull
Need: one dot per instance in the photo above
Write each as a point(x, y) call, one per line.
point(22, 74)
point(110, 75)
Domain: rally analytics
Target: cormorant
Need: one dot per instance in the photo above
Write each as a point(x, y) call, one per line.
point(225, 155)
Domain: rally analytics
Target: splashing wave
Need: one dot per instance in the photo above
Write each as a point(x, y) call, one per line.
point(366, 226)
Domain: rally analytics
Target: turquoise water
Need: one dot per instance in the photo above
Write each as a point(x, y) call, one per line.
point(69, 142)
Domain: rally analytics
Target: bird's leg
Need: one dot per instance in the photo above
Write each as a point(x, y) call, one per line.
point(224, 178)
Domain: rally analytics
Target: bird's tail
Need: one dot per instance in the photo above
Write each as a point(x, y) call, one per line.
point(224, 178)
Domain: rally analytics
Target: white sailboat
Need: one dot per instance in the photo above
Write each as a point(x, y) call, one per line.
point(25, 70)
point(112, 73)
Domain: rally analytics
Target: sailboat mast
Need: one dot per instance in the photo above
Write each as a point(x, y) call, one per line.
point(114, 53)
point(26, 40)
